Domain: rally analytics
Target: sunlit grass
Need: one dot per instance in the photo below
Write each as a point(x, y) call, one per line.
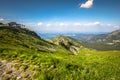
point(87, 65)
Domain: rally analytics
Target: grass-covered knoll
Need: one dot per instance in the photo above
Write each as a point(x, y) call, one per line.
point(87, 65)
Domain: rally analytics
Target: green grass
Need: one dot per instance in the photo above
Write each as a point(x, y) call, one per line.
point(25, 56)
point(87, 65)
point(22, 39)
point(102, 46)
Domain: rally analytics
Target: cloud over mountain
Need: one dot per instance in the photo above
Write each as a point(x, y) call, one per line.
point(74, 27)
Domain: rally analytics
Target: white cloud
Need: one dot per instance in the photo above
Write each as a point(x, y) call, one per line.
point(48, 25)
point(97, 23)
point(77, 24)
point(63, 24)
point(116, 26)
point(1, 19)
point(87, 4)
point(74, 27)
point(40, 24)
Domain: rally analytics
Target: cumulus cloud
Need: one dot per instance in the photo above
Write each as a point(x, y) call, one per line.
point(48, 25)
point(1, 19)
point(75, 27)
point(63, 24)
point(97, 23)
point(77, 24)
point(87, 4)
point(116, 26)
point(40, 24)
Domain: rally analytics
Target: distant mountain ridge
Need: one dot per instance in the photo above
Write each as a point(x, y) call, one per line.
point(109, 41)
point(106, 37)
point(115, 35)
point(110, 37)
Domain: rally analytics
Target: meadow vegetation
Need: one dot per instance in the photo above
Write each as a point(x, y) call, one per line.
point(87, 65)
point(26, 56)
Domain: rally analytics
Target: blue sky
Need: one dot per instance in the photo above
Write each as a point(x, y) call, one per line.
point(63, 15)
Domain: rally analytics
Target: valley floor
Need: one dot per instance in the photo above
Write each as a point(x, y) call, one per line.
point(33, 65)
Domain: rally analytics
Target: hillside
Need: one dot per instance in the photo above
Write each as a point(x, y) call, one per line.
point(113, 36)
point(25, 56)
point(22, 38)
point(109, 37)
point(68, 43)
point(108, 41)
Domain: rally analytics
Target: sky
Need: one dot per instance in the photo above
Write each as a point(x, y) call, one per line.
point(83, 16)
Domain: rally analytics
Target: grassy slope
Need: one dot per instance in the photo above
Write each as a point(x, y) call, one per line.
point(28, 63)
point(101, 46)
point(22, 39)
point(88, 65)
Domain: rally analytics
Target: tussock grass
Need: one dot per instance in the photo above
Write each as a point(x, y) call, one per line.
point(87, 65)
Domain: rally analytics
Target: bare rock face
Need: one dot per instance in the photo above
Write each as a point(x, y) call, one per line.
point(68, 43)
point(74, 50)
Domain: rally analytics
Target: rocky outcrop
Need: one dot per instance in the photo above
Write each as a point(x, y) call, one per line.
point(11, 70)
point(74, 50)
point(68, 43)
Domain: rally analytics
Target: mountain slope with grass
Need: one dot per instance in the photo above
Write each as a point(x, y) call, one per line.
point(25, 56)
point(22, 38)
